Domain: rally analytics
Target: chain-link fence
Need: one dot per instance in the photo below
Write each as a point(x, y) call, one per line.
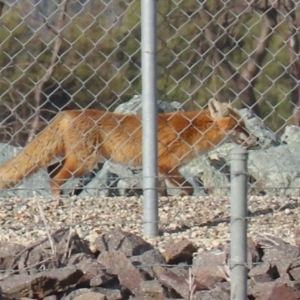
point(76, 77)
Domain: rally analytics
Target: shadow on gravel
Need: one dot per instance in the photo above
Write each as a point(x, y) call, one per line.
point(215, 222)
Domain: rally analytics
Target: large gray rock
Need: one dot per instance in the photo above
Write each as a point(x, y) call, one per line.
point(134, 106)
point(114, 180)
point(291, 135)
point(256, 126)
point(276, 170)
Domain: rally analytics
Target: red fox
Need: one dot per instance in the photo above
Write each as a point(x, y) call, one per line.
point(84, 137)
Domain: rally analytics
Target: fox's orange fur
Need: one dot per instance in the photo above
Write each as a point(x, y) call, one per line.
point(84, 137)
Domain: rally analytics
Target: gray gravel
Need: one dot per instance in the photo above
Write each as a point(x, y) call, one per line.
point(203, 220)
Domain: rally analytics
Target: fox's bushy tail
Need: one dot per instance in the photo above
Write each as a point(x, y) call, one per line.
point(38, 154)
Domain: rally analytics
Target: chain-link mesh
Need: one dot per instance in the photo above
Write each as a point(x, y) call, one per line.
point(74, 68)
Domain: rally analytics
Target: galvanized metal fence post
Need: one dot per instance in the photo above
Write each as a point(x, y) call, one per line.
point(238, 228)
point(149, 112)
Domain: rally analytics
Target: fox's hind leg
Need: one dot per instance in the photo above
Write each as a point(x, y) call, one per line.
point(68, 168)
point(53, 169)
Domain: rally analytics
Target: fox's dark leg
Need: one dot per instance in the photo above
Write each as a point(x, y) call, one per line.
point(55, 168)
point(176, 179)
point(162, 187)
point(69, 167)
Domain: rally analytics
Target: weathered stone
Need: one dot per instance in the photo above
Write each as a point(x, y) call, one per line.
point(258, 290)
point(128, 243)
point(209, 268)
point(148, 259)
point(276, 167)
point(40, 255)
point(41, 284)
point(2, 297)
point(291, 135)
point(112, 293)
point(264, 272)
point(286, 279)
point(152, 288)
point(80, 258)
point(180, 270)
point(51, 297)
point(294, 271)
point(8, 255)
point(284, 292)
point(274, 291)
point(77, 292)
point(207, 173)
point(179, 251)
point(94, 272)
point(145, 297)
point(253, 254)
point(117, 263)
point(180, 284)
point(279, 253)
point(268, 168)
point(101, 279)
point(217, 293)
point(90, 296)
point(297, 236)
point(134, 106)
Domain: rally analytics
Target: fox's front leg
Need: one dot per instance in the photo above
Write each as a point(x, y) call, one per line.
point(175, 178)
point(162, 187)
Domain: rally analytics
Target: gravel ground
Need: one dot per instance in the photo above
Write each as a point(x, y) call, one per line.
point(203, 220)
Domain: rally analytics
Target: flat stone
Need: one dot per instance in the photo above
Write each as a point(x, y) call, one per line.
point(90, 296)
point(41, 284)
point(264, 272)
point(207, 268)
point(117, 263)
point(178, 283)
point(147, 260)
point(128, 243)
point(179, 251)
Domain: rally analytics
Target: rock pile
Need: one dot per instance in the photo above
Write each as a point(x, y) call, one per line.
point(121, 265)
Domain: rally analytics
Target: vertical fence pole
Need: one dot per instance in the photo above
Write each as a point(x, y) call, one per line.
point(238, 229)
point(149, 115)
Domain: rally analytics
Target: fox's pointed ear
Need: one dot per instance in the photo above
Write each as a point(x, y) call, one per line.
point(218, 109)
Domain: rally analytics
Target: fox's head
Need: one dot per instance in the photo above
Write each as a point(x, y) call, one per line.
point(231, 122)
